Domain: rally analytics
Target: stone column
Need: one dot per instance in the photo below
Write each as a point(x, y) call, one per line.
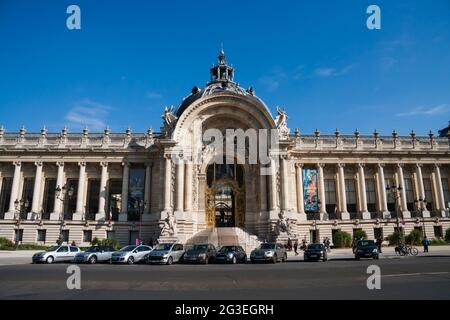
point(322, 198)
point(101, 215)
point(440, 191)
point(421, 189)
point(10, 215)
point(362, 192)
point(273, 186)
point(148, 188)
point(188, 186)
point(300, 191)
point(123, 216)
point(263, 192)
point(342, 198)
point(382, 192)
point(36, 192)
point(78, 215)
point(284, 184)
point(403, 203)
point(180, 186)
point(58, 204)
point(168, 183)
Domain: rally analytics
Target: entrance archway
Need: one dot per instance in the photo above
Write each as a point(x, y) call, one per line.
point(225, 196)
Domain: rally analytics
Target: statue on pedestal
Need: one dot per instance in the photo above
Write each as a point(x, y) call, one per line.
point(281, 124)
point(169, 228)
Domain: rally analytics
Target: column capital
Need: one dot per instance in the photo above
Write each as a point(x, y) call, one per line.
point(341, 165)
point(125, 163)
point(299, 165)
point(400, 165)
point(381, 165)
point(104, 164)
point(17, 163)
point(38, 163)
point(320, 165)
point(419, 165)
point(60, 164)
point(438, 165)
point(168, 156)
point(149, 164)
point(361, 165)
point(82, 164)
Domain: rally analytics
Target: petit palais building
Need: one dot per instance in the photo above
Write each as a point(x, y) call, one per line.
point(170, 186)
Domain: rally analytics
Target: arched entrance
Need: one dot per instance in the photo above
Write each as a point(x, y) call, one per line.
point(225, 196)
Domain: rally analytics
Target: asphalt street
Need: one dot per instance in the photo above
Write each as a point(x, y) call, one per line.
point(342, 278)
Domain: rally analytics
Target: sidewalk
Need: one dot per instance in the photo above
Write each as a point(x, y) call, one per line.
point(388, 253)
point(8, 258)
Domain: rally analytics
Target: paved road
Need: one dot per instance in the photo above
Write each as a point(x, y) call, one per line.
point(411, 278)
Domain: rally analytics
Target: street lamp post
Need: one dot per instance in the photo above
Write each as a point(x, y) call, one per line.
point(61, 194)
point(421, 204)
point(395, 191)
point(140, 206)
point(20, 207)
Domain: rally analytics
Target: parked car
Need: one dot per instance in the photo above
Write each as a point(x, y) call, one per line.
point(56, 254)
point(269, 252)
point(200, 253)
point(95, 254)
point(131, 254)
point(166, 253)
point(231, 254)
point(315, 252)
point(366, 249)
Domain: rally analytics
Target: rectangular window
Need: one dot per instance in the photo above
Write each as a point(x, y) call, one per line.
point(49, 198)
point(310, 195)
point(371, 195)
point(390, 196)
point(409, 191)
point(70, 203)
point(115, 199)
point(27, 197)
point(350, 194)
point(87, 236)
point(378, 233)
point(5, 196)
point(428, 194)
point(110, 235)
point(18, 235)
point(41, 235)
point(92, 198)
point(136, 185)
point(330, 195)
point(446, 189)
point(133, 237)
point(438, 232)
point(65, 235)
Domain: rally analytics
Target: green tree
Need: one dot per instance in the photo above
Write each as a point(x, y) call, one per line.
point(447, 235)
point(394, 238)
point(415, 237)
point(342, 239)
point(359, 233)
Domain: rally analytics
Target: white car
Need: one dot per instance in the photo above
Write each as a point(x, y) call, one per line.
point(56, 254)
point(131, 254)
point(166, 253)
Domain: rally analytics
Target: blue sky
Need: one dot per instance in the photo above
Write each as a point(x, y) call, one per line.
point(315, 58)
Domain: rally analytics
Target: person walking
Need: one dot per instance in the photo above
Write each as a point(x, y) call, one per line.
point(379, 243)
point(426, 244)
point(296, 247)
point(289, 244)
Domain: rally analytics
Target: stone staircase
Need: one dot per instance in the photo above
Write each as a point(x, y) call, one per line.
point(220, 237)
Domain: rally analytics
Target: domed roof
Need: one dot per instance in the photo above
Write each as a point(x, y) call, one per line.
point(222, 81)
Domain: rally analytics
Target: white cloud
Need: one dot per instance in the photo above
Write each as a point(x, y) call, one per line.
point(326, 72)
point(88, 113)
point(273, 80)
point(433, 111)
point(153, 95)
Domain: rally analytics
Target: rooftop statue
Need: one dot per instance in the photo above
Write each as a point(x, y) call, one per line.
point(281, 124)
point(170, 120)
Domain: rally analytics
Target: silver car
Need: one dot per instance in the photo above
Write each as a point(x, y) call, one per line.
point(131, 254)
point(95, 254)
point(166, 253)
point(56, 254)
point(269, 252)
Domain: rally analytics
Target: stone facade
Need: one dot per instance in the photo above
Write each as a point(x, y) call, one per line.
point(165, 176)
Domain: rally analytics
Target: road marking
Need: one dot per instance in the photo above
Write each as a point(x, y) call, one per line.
point(415, 274)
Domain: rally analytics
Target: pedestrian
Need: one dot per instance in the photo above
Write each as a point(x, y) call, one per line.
point(379, 244)
point(74, 244)
point(425, 243)
point(289, 244)
point(296, 247)
point(328, 244)
point(303, 247)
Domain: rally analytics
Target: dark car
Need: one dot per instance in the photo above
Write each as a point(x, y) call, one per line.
point(315, 252)
point(231, 254)
point(366, 249)
point(200, 253)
